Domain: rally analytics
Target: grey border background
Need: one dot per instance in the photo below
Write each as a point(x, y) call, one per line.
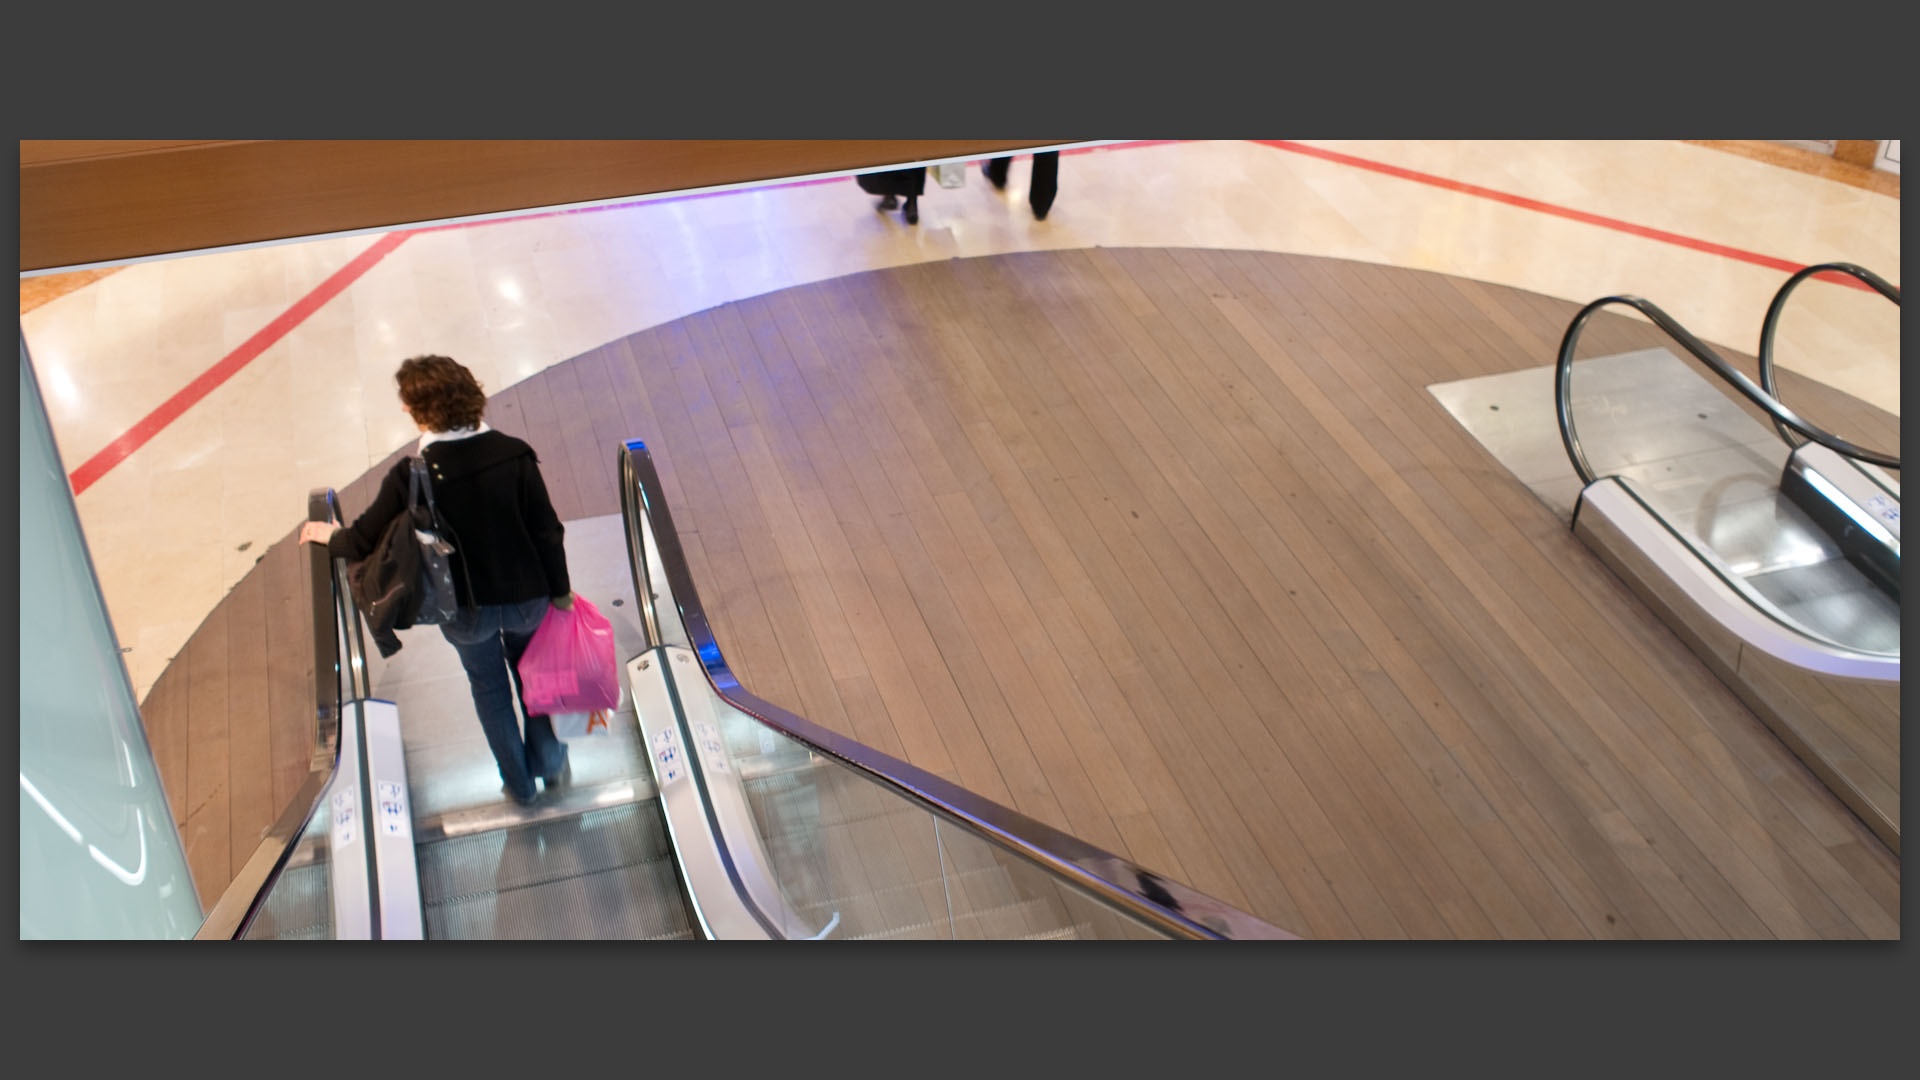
point(357, 70)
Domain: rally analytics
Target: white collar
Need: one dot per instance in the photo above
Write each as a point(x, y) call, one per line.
point(446, 436)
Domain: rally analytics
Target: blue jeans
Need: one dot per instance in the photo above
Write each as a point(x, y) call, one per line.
point(490, 640)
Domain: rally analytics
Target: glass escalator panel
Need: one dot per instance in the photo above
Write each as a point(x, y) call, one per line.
point(849, 858)
point(1709, 464)
point(299, 903)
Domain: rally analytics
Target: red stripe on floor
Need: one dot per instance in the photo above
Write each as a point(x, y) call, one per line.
point(154, 422)
point(1561, 211)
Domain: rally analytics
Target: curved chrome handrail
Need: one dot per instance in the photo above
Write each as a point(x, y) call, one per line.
point(1771, 325)
point(1563, 387)
point(336, 682)
point(1164, 904)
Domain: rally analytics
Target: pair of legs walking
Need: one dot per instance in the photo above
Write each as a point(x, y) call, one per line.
point(893, 185)
point(490, 640)
point(1041, 189)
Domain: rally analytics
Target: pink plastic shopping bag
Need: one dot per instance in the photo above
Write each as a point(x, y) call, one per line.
point(569, 665)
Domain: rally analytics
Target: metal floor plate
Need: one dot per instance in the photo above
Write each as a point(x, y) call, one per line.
point(607, 874)
point(1639, 414)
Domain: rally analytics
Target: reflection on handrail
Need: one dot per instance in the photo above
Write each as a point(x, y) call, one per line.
point(1166, 905)
point(337, 680)
point(1563, 387)
point(1769, 328)
point(323, 506)
point(632, 506)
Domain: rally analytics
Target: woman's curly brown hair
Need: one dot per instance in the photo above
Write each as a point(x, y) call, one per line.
point(440, 392)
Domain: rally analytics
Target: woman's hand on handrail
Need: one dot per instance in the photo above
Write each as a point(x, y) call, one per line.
point(318, 532)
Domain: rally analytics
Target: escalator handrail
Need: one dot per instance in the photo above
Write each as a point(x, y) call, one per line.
point(1563, 387)
point(1771, 326)
point(1160, 902)
point(337, 681)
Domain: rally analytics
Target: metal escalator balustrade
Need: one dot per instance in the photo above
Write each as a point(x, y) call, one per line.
point(1856, 503)
point(284, 889)
point(830, 838)
point(1768, 520)
point(1773, 553)
point(342, 861)
point(1785, 417)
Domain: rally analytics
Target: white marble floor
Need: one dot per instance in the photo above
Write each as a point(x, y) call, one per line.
point(177, 522)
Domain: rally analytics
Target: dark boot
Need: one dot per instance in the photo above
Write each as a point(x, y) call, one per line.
point(1046, 183)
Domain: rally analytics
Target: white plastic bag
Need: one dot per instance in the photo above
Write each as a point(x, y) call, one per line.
point(951, 175)
point(568, 726)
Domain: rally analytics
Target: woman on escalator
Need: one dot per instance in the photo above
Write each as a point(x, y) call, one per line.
point(508, 562)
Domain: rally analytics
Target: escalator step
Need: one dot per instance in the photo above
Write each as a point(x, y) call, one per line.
point(639, 902)
point(604, 874)
point(298, 909)
point(529, 855)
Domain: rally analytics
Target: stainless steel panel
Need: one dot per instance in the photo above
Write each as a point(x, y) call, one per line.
point(1637, 410)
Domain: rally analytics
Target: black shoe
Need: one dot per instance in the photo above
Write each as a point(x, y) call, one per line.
point(889, 203)
point(530, 800)
point(912, 212)
point(996, 177)
point(562, 775)
point(1039, 215)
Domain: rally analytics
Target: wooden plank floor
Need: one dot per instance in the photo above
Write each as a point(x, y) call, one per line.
point(1170, 549)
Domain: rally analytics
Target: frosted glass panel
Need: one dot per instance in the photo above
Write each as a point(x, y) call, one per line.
point(99, 854)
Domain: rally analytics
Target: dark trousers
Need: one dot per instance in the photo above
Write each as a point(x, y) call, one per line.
point(909, 182)
point(1041, 189)
point(490, 640)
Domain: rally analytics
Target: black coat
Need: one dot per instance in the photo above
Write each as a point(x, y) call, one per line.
point(894, 182)
point(507, 540)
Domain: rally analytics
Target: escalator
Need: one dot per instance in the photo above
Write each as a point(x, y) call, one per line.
point(746, 821)
point(1769, 544)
